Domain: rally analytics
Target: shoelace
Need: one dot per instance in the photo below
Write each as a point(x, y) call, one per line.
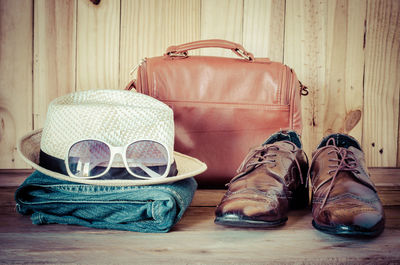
point(263, 156)
point(346, 161)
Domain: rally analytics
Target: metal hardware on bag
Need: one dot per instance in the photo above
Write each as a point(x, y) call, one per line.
point(178, 54)
point(137, 66)
point(243, 54)
point(304, 89)
point(131, 85)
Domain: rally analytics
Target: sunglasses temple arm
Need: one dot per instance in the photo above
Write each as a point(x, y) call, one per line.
point(148, 170)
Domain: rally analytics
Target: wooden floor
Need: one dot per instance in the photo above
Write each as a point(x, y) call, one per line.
point(196, 239)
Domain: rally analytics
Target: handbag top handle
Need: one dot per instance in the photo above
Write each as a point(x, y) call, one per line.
point(182, 50)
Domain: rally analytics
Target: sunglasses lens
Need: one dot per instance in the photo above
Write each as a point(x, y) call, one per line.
point(88, 158)
point(147, 159)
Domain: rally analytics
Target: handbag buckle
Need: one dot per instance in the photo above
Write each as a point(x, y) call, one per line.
point(178, 54)
point(243, 54)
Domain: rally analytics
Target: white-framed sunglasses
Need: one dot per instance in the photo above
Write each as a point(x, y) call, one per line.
point(93, 158)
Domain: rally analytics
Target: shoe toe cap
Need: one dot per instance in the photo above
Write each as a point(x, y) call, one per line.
point(269, 209)
point(368, 220)
point(341, 215)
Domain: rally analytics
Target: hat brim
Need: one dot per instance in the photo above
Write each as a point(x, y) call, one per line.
point(29, 148)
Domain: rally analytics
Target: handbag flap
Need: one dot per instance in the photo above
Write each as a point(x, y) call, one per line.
point(217, 80)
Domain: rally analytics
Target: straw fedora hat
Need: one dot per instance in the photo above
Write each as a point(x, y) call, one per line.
point(113, 116)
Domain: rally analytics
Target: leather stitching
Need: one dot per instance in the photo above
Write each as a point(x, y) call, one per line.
point(319, 200)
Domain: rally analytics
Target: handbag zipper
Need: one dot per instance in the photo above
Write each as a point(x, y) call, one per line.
point(226, 104)
point(142, 71)
point(133, 84)
point(286, 86)
point(137, 66)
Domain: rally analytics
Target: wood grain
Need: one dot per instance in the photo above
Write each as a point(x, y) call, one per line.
point(15, 78)
point(306, 28)
point(194, 240)
point(387, 181)
point(264, 27)
point(149, 27)
point(381, 96)
point(98, 33)
point(346, 52)
point(224, 246)
point(345, 67)
point(54, 54)
point(222, 19)
point(324, 45)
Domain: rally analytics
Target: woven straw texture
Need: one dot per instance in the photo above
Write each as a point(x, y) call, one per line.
point(117, 117)
point(29, 146)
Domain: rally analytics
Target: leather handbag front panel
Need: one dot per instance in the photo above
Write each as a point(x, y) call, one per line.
point(215, 79)
point(222, 106)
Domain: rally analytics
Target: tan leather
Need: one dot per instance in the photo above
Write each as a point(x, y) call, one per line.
point(345, 200)
point(271, 179)
point(214, 43)
point(222, 106)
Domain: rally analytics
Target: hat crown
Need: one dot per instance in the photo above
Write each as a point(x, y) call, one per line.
point(117, 117)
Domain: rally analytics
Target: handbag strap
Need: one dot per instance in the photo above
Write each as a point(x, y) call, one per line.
point(182, 50)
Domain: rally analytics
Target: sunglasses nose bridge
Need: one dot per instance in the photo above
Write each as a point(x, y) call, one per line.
point(115, 151)
point(118, 150)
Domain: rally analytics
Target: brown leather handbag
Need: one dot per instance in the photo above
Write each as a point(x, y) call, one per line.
point(222, 106)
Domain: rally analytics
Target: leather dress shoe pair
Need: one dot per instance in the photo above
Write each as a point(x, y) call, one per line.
point(274, 177)
point(271, 179)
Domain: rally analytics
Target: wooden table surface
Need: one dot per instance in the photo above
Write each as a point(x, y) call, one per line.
point(196, 239)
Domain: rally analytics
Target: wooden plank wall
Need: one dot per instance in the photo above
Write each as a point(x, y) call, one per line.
point(346, 51)
point(16, 86)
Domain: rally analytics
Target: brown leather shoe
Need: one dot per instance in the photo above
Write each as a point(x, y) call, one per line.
point(345, 200)
point(270, 180)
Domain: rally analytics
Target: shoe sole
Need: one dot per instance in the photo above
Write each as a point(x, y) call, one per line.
point(347, 230)
point(234, 220)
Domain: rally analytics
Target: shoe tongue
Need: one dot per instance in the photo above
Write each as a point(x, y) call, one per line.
point(290, 136)
point(285, 145)
point(359, 155)
point(339, 140)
